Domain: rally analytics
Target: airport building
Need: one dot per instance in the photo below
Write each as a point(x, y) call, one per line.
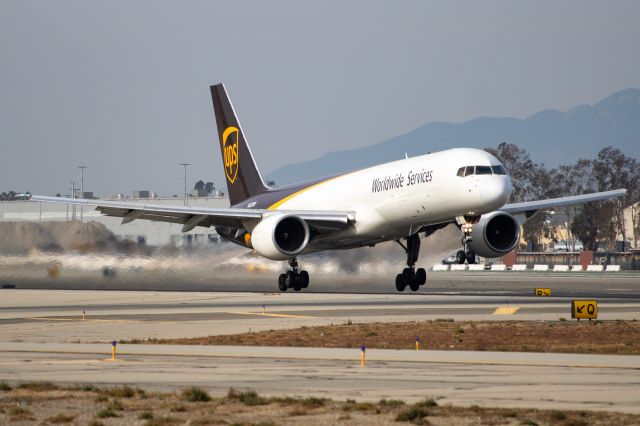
point(141, 231)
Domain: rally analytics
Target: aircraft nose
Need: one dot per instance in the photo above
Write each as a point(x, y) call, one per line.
point(496, 191)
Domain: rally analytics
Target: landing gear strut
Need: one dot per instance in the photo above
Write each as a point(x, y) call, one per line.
point(294, 279)
point(410, 276)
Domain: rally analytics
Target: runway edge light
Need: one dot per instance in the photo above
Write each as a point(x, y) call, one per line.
point(584, 309)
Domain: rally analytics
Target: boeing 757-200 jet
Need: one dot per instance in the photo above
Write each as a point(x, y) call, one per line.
point(396, 201)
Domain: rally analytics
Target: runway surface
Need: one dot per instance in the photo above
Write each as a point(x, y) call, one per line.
point(43, 336)
point(462, 378)
point(564, 284)
point(57, 316)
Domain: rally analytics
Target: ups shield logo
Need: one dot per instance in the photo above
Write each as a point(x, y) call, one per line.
point(230, 152)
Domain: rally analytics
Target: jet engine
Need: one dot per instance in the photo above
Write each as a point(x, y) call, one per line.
point(280, 237)
point(495, 234)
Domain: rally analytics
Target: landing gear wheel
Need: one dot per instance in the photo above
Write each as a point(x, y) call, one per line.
point(304, 279)
point(290, 279)
point(461, 256)
point(400, 282)
point(414, 286)
point(421, 276)
point(408, 275)
point(282, 284)
point(471, 257)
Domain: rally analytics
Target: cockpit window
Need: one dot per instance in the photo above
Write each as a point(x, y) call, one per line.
point(498, 170)
point(483, 170)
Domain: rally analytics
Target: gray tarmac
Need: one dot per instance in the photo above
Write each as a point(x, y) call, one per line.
point(624, 284)
point(553, 381)
point(43, 336)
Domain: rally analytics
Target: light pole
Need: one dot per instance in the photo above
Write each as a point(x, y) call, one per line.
point(82, 188)
point(73, 195)
point(185, 164)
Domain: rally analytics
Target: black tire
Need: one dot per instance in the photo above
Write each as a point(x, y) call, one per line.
point(421, 276)
point(414, 286)
point(290, 279)
point(304, 278)
point(461, 256)
point(408, 274)
point(471, 257)
point(282, 285)
point(400, 282)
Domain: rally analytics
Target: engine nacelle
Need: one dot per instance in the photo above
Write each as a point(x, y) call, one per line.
point(280, 237)
point(495, 234)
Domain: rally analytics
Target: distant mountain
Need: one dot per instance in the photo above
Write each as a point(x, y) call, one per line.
point(552, 137)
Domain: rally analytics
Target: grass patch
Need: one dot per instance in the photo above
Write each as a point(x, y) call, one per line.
point(116, 405)
point(38, 386)
point(61, 418)
point(314, 402)
point(249, 397)
point(607, 337)
point(106, 413)
point(558, 415)
point(121, 392)
point(390, 402)
point(426, 403)
point(412, 414)
point(145, 415)
point(162, 421)
point(178, 408)
point(18, 412)
point(5, 387)
point(195, 394)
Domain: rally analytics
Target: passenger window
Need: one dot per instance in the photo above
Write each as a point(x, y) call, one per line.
point(461, 172)
point(498, 170)
point(468, 171)
point(483, 170)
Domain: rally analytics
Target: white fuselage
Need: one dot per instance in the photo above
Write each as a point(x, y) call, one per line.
point(394, 200)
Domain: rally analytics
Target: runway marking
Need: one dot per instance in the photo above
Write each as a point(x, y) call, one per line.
point(506, 310)
point(264, 314)
point(78, 320)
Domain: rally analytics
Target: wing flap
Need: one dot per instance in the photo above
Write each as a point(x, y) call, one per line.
point(321, 221)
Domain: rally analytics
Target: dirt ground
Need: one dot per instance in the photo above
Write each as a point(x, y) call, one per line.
point(597, 337)
point(46, 403)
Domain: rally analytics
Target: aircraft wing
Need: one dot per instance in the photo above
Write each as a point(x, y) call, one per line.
point(191, 217)
point(529, 208)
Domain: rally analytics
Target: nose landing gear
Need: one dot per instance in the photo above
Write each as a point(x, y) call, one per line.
point(411, 277)
point(466, 254)
point(294, 279)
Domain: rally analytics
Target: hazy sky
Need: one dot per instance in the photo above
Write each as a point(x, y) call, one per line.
point(123, 86)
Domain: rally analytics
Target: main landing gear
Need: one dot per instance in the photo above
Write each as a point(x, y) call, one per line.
point(294, 279)
point(410, 276)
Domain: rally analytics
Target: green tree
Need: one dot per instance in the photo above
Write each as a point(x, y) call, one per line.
point(199, 186)
point(615, 170)
point(209, 188)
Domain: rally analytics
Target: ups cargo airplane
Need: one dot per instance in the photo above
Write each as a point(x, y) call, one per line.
point(396, 201)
